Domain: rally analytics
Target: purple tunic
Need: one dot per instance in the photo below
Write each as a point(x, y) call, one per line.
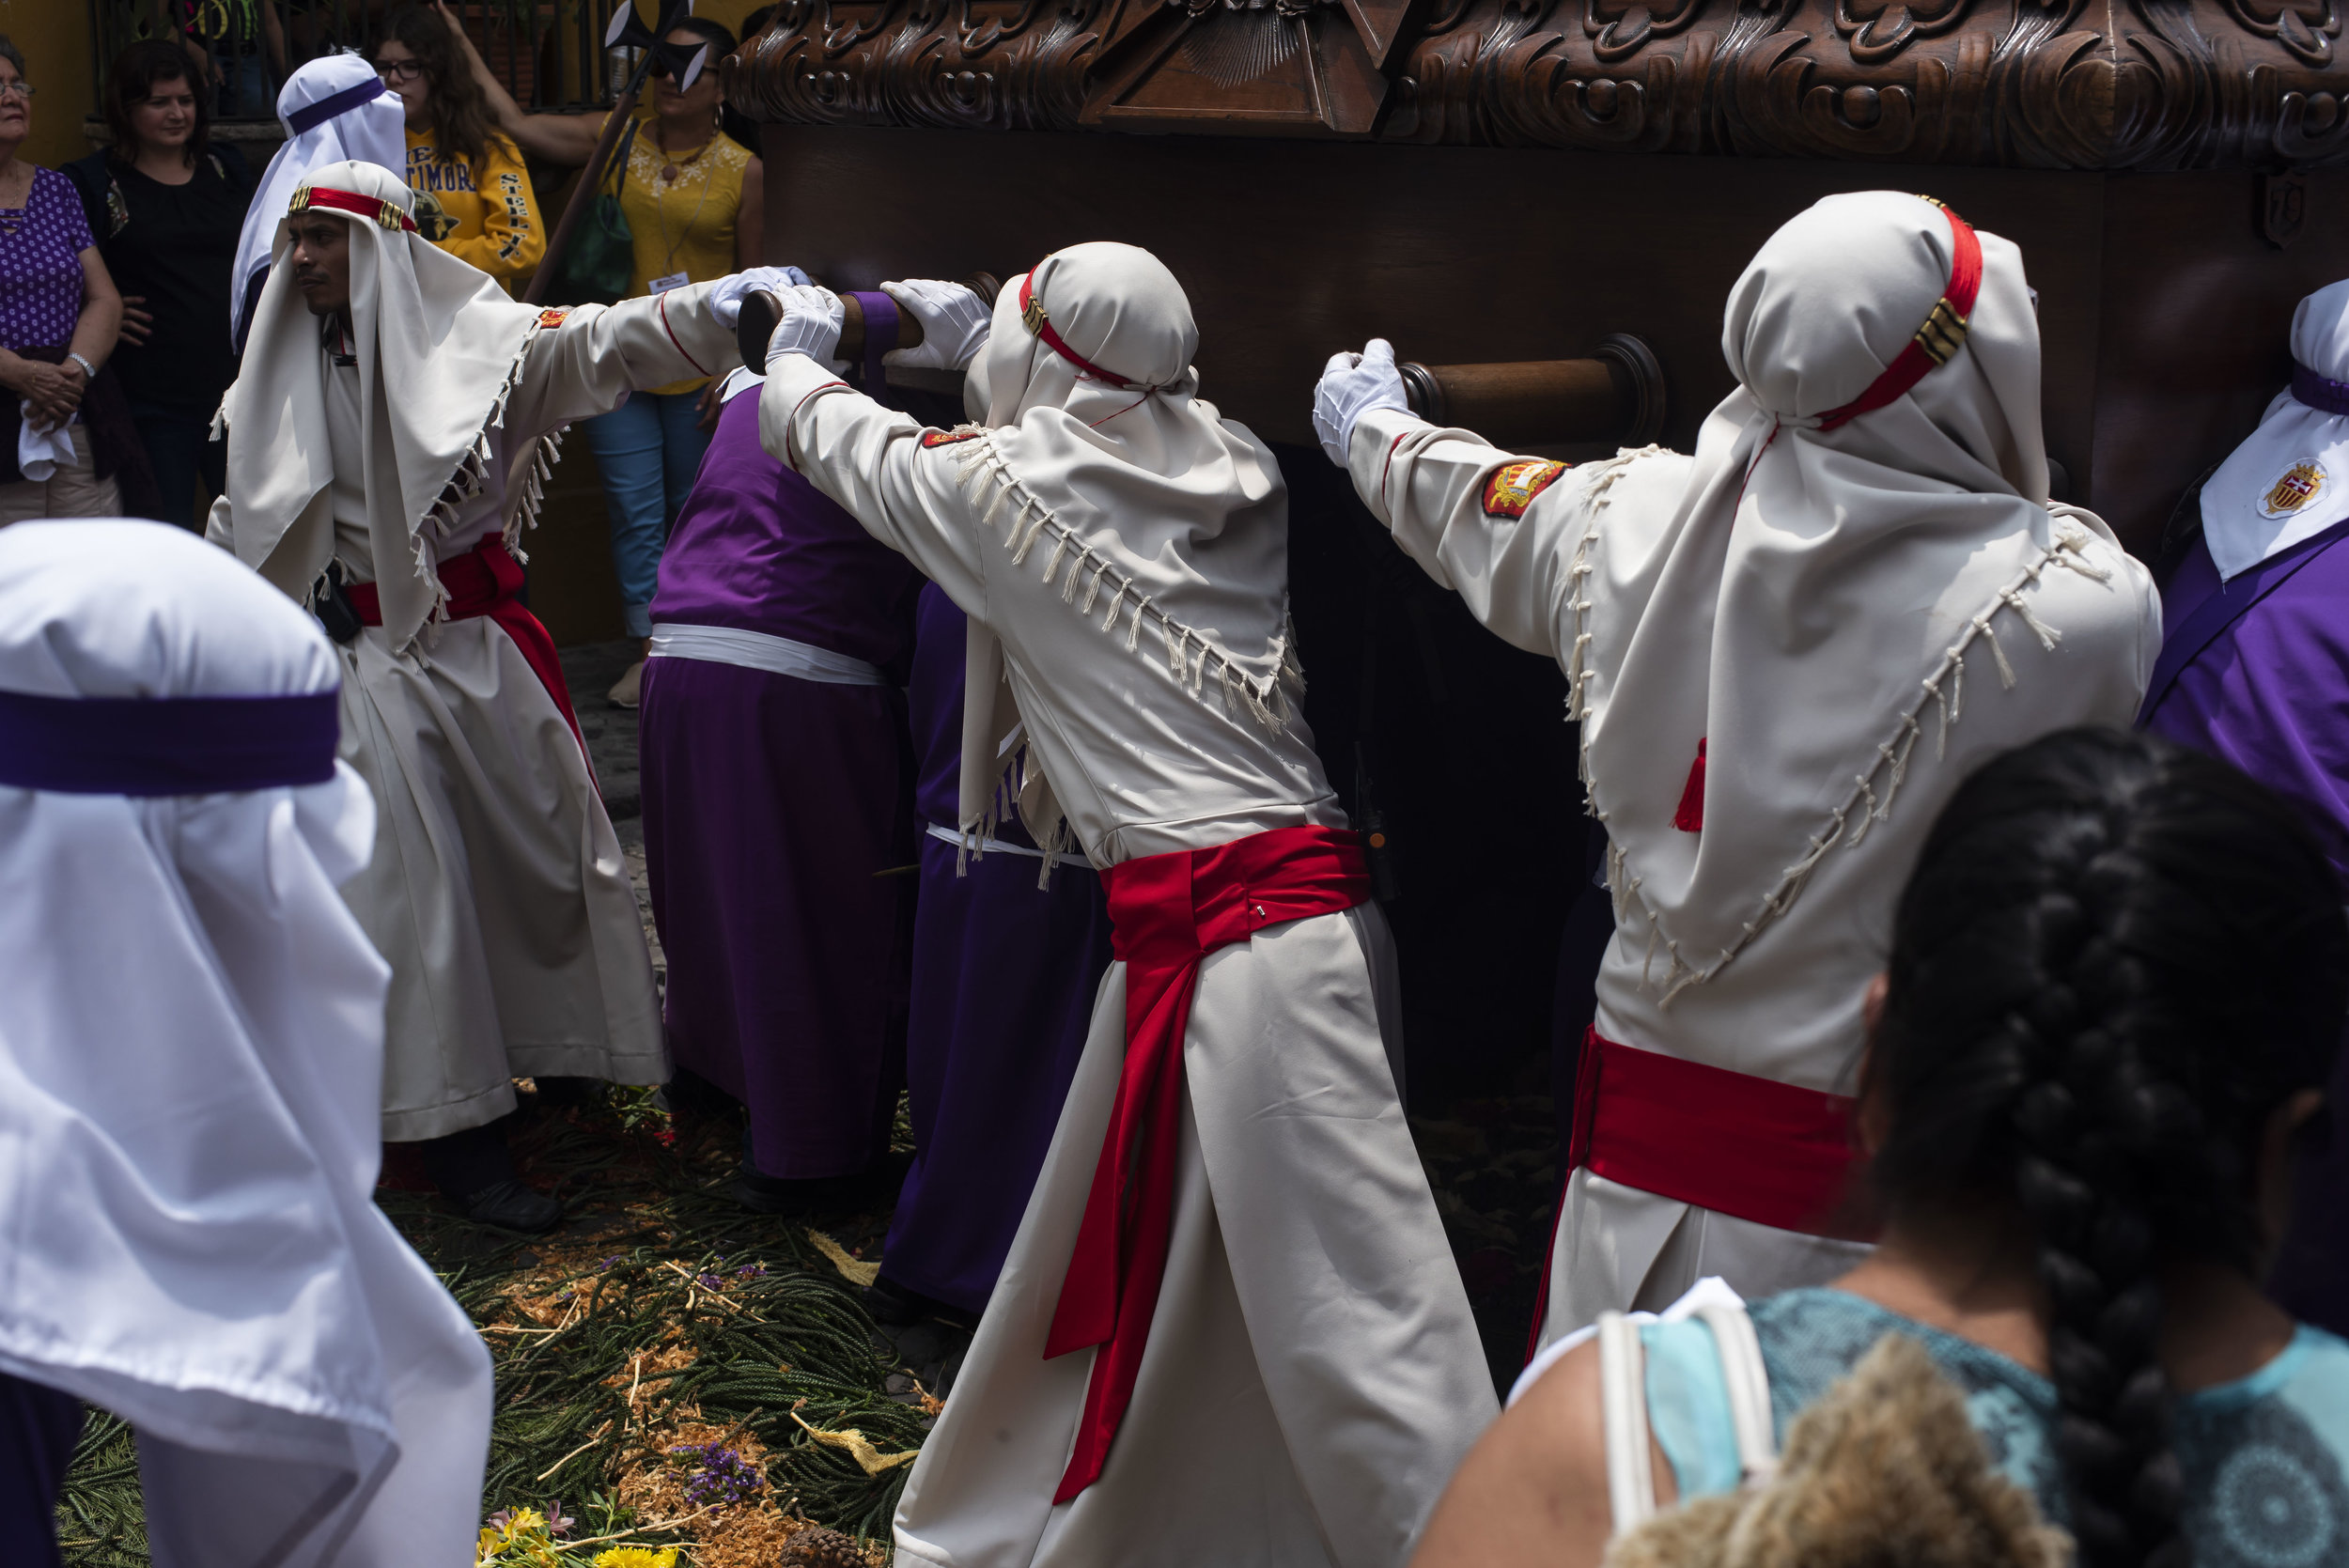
point(772, 806)
point(1005, 974)
point(2256, 671)
point(38, 1427)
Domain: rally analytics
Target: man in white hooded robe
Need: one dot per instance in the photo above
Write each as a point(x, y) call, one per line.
point(1232, 1210)
point(396, 419)
point(1784, 653)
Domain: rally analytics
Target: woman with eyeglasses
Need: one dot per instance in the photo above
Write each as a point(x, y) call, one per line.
point(64, 433)
point(165, 205)
point(472, 194)
point(691, 193)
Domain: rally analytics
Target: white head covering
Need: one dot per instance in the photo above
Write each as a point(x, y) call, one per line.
point(1786, 610)
point(1183, 507)
point(439, 345)
point(190, 1068)
point(373, 130)
point(2290, 478)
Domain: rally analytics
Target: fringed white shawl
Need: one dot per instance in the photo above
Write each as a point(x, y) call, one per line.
point(1812, 594)
point(440, 349)
point(1151, 510)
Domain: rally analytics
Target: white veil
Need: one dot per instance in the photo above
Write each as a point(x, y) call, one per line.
point(191, 1065)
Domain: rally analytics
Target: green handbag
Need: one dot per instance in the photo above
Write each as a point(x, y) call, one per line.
point(599, 264)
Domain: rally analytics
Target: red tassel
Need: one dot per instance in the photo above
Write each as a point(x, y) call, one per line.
point(1689, 819)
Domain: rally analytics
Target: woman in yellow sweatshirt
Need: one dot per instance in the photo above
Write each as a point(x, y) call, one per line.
point(472, 194)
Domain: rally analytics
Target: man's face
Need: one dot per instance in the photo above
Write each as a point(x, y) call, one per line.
point(321, 259)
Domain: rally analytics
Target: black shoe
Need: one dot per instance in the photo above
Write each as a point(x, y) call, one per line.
point(761, 1193)
point(511, 1206)
point(891, 1303)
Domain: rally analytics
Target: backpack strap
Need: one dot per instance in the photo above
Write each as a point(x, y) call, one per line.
point(1748, 1383)
point(1623, 1394)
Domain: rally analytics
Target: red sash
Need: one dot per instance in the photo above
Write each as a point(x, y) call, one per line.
point(484, 582)
point(1167, 913)
point(1750, 1147)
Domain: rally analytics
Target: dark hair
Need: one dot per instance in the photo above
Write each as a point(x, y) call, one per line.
point(754, 22)
point(460, 109)
point(14, 56)
point(132, 80)
point(2115, 959)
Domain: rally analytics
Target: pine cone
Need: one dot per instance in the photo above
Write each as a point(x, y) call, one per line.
point(821, 1548)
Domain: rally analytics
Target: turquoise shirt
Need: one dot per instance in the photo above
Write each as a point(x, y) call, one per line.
point(2264, 1459)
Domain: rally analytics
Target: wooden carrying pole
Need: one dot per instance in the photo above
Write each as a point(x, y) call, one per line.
point(1615, 397)
point(760, 314)
point(584, 193)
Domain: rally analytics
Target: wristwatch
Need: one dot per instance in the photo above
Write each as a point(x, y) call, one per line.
point(89, 371)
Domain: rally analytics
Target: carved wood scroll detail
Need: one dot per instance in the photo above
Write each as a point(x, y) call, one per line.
point(2146, 84)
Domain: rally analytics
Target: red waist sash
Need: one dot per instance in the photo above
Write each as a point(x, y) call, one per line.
point(1167, 913)
point(484, 582)
point(1750, 1147)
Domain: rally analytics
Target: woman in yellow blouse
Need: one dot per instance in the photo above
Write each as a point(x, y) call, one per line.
point(691, 193)
point(472, 194)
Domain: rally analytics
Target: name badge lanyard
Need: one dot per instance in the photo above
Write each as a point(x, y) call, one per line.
point(660, 215)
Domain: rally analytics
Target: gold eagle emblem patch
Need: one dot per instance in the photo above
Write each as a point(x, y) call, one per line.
point(1513, 487)
point(552, 315)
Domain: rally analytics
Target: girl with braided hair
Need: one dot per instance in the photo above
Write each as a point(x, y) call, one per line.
point(2116, 990)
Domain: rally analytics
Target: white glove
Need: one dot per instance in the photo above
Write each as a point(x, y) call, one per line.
point(725, 298)
point(955, 323)
point(1352, 386)
point(810, 325)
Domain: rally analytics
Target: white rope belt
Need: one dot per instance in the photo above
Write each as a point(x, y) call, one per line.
point(985, 846)
point(758, 650)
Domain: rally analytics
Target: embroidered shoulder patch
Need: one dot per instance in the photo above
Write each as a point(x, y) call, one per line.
point(552, 315)
point(2302, 483)
point(948, 438)
point(1513, 486)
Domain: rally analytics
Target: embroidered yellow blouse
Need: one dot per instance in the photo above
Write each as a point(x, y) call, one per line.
point(686, 224)
point(486, 216)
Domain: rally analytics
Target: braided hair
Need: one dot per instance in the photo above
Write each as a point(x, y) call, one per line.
point(2115, 959)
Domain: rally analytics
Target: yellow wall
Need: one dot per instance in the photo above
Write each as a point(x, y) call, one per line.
point(54, 38)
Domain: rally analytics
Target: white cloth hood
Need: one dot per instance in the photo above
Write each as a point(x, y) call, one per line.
point(191, 1059)
point(2290, 478)
point(1784, 610)
point(1174, 506)
point(373, 132)
point(438, 345)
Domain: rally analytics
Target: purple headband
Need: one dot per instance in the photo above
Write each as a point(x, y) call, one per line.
point(311, 115)
point(166, 745)
point(2317, 392)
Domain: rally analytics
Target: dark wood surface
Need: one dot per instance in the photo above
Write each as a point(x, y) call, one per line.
point(2146, 84)
point(2163, 309)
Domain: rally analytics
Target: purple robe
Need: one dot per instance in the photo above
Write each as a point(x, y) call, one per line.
point(38, 1427)
point(2256, 672)
point(1005, 974)
point(775, 808)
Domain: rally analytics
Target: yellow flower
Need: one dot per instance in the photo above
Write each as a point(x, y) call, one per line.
point(524, 1521)
point(637, 1557)
point(486, 1549)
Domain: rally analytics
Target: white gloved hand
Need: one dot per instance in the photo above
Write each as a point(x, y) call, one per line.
point(725, 296)
point(955, 323)
point(810, 325)
point(1352, 386)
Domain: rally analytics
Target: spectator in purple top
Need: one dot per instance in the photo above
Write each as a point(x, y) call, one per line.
point(59, 315)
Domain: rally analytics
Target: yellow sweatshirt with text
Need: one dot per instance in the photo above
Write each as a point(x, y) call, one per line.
point(483, 213)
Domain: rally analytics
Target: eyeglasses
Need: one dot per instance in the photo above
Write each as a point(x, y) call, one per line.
point(17, 90)
point(401, 70)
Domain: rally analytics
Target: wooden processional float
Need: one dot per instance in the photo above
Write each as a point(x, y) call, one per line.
point(1616, 396)
point(1494, 181)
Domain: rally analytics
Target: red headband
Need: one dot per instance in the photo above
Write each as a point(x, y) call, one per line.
point(374, 208)
point(1942, 335)
point(1032, 316)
